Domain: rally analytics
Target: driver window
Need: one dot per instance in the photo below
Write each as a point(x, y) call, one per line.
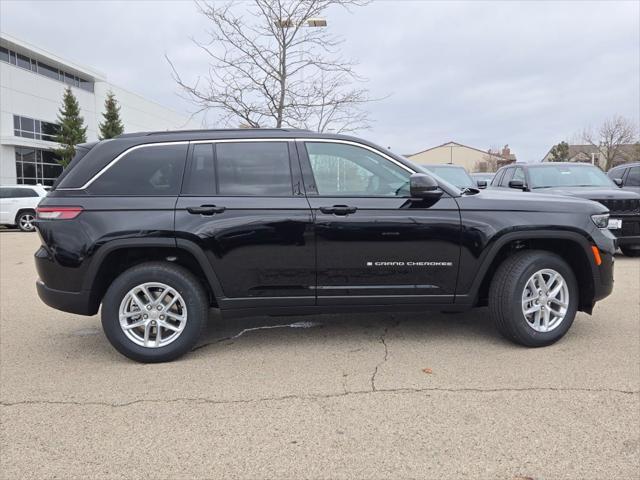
point(347, 170)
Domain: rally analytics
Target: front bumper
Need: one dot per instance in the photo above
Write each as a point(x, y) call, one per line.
point(629, 234)
point(72, 302)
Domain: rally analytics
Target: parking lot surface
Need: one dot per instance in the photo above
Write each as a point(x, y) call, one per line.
point(336, 396)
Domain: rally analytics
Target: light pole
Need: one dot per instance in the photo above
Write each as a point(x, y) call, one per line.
point(309, 22)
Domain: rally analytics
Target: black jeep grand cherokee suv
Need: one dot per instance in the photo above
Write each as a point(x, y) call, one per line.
point(159, 227)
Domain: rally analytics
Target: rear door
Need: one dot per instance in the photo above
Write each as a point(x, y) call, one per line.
point(6, 204)
point(374, 244)
point(243, 204)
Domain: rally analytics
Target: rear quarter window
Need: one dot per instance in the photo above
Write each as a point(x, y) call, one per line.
point(149, 170)
point(18, 192)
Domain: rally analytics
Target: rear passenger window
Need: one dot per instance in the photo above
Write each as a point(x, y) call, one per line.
point(18, 192)
point(240, 168)
point(253, 168)
point(150, 170)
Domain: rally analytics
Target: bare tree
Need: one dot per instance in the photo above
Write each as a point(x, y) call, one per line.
point(610, 138)
point(270, 68)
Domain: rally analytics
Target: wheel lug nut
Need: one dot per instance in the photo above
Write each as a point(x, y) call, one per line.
point(148, 307)
point(145, 316)
point(161, 317)
point(159, 307)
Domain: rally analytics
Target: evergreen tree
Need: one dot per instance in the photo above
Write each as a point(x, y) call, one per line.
point(112, 125)
point(71, 128)
point(560, 152)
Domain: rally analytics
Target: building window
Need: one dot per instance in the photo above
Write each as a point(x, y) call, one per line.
point(34, 166)
point(22, 61)
point(38, 129)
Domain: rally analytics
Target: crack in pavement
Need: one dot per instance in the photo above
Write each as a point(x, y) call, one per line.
point(307, 324)
point(383, 340)
point(407, 390)
point(384, 359)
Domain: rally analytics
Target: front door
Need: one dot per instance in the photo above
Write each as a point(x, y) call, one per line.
point(242, 202)
point(374, 244)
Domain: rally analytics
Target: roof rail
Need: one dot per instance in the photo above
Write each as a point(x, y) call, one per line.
point(212, 130)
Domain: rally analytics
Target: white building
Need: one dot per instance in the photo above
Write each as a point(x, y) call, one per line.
point(32, 83)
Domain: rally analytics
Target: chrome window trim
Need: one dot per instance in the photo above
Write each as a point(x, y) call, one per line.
point(234, 140)
point(324, 140)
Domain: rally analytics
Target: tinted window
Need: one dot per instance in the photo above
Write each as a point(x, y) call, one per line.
point(341, 169)
point(253, 168)
point(200, 179)
point(17, 192)
point(633, 177)
point(149, 170)
point(48, 71)
point(24, 62)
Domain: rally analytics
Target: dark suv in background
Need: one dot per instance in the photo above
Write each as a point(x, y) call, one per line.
point(626, 176)
point(157, 228)
point(583, 181)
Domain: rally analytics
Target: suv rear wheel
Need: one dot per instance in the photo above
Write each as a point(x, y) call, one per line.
point(533, 298)
point(25, 220)
point(154, 312)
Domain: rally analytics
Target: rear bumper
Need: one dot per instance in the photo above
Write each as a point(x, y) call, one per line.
point(72, 302)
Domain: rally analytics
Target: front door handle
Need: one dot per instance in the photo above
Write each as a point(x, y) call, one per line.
point(205, 210)
point(339, 210)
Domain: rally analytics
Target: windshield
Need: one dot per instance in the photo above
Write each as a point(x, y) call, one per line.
point(568, 176)
point(457, 176)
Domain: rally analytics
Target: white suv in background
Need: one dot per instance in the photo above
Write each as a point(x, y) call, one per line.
point(18, 205)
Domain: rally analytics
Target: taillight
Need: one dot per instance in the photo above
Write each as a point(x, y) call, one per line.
point(57, 213)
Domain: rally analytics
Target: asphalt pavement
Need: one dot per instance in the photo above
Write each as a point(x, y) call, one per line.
point(406, 395)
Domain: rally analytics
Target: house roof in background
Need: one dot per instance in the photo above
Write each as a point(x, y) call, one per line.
point(447, 144)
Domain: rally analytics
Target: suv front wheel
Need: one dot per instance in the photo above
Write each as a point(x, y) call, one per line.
point(533, 298)
point(154, 312)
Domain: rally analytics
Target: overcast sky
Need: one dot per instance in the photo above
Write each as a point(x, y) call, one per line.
point(480, 73)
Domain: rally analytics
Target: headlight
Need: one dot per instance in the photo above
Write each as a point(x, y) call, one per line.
point(601, 220)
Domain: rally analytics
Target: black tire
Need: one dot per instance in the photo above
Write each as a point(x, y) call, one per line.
point(505, 297)
point(630, 252)
point(25, 219)
point(175, 276)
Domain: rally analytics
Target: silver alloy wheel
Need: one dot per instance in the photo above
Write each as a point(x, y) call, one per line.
point(545, 300)
point(153, 315)
point(26, 222)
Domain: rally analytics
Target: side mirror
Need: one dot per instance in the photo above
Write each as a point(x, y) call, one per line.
point(424, 186)
point(618, 182)
point(481, 183)
point(516, 184)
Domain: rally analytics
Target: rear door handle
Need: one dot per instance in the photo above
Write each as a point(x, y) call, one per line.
point(205, 210)
point(339, 210)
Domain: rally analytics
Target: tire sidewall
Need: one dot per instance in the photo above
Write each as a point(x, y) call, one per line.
point(183, 283)
point(522, 328)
